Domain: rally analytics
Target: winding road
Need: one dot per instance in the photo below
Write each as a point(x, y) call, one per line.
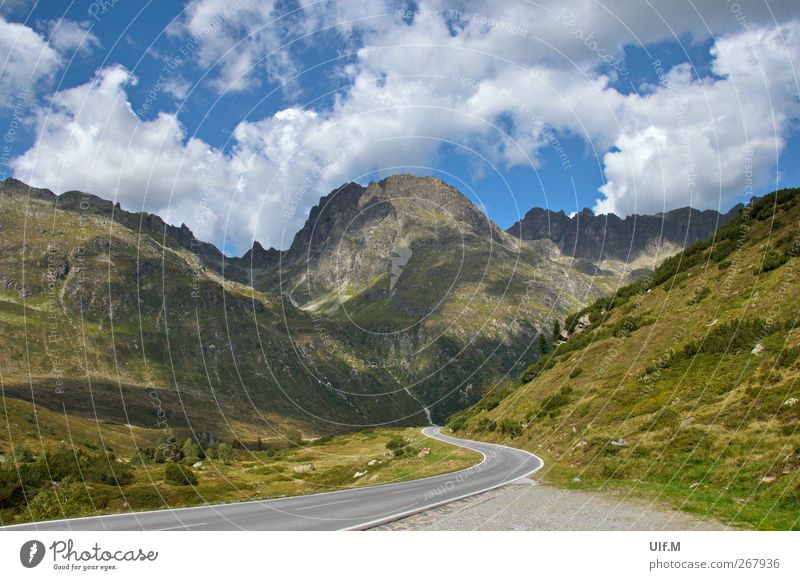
point(352, 509)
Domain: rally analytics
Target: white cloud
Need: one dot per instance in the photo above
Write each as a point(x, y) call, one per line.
point(68, 36)
point(701, 143)
point(178, 87)
point(412, 88)
point(26, 60)
point(242, 41)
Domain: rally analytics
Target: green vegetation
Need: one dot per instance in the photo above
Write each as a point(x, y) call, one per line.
point(690, 393)
point(65, 482)
point(175, 474)
point(37, 485)
point(576, 372)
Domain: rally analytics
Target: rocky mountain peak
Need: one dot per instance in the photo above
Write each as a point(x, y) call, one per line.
point(596, 237)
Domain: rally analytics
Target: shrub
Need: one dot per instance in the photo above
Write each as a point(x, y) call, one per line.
point(22, 455)
point(773, 260)
point(576, 372)
point(511, 427)
point(788, 357)
point(294, 436)
point(551, 406)
point(544, 363)
point(192, 452)
point(175, 474)
point(397, 445)
point(699, 295)
point(220, 451)
point(458, 424)
point(69, 501)
point(486, 424)
point(625, 326)
point(101, 468)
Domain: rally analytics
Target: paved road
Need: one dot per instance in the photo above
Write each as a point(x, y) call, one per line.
point(349, 509)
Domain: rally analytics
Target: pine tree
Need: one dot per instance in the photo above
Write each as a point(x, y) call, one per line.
point(542, 343)
point(556, 331)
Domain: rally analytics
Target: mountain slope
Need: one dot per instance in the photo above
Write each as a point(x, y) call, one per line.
point(396, 302)
point(94, 313)
point(428, 287)
point(681, 387)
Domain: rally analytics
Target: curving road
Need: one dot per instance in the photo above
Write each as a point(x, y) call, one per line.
point(338, 510)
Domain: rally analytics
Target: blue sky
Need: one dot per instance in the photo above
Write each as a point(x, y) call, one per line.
point(215, 114)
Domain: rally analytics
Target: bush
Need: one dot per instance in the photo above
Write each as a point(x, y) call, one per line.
point(625, 326)
point(773, 260)
point(192, 452)
point(511, 427)
point(294, 437)
point(175, 474)
point(69, 501)
point(397, 445)
point(22, 455)
point(458, 424)
point(486, 424)
point(576, 372)
point(551, 406)
point(699, 295)
point(101, 468)
point(59, 466)
point(544, 363)
point(221, 452)
point(788, 357)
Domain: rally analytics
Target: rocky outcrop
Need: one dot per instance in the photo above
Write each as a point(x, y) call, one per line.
point(596, 237)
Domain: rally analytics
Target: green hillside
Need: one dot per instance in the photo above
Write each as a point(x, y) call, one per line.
point(103, 321)
point(680, 388)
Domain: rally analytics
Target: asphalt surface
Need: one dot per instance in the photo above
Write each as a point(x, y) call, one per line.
point(340, 510)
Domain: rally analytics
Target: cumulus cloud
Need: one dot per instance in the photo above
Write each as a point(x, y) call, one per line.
point(26, 60)
point(705, 143)
point(68, 36)
point(503, 80)
point(243, 42)
point(90, 139)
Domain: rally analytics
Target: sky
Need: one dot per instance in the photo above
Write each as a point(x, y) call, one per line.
point(235, 116)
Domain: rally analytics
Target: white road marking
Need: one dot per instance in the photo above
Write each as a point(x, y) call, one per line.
point(181, 527)
point(319, 505)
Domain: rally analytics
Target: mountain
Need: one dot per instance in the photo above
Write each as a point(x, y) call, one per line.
point(425, 284)
point(609, 237)
point(682, 387)
point(108, 315)
point(397, 302)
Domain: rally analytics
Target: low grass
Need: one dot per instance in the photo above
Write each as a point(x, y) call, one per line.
point(339, 462)
point(689, 394)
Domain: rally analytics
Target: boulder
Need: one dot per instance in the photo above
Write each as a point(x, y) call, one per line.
point(359, 474)
point(303, 468)
point(425, 451)
point(757, 349)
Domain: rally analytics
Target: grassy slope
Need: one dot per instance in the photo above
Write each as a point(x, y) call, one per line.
point(661, 397)
point(89, 304)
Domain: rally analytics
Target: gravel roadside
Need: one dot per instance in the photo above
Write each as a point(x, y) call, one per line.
point(527, 505)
